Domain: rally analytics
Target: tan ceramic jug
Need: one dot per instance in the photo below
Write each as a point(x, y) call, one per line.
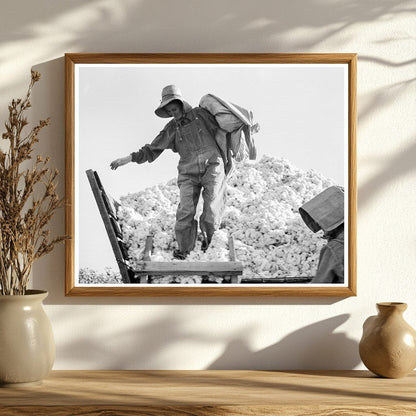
point(27, 347)
point(388, 345)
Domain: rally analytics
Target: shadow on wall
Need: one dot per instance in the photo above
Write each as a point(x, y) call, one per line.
point(313, 347)
point(142, 347)
point(391, 170)
point(48, 100)
point(161, 342)
point(273, 18)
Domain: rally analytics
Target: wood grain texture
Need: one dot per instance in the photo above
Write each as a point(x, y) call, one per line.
point(212, 58)
point(203, 393)
point(352, 174)
point(69, 173)
point(248, 290)
point(209, 411)
point(189, 267)
point(211, 291)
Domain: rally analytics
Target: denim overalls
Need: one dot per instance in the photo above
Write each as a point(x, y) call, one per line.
point(200, 168)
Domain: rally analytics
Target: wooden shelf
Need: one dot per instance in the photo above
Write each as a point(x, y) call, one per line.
point(208, 393)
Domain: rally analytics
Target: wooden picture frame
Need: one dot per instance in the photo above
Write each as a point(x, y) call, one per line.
point(90, 117)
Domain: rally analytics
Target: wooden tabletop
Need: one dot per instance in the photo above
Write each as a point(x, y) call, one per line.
point(253, 393)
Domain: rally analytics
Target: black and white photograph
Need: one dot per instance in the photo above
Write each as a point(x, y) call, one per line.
point(197, 173)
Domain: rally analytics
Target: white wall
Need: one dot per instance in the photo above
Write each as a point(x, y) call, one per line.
point(198, 333)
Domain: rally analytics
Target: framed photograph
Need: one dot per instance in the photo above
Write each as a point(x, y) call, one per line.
point(211, 174)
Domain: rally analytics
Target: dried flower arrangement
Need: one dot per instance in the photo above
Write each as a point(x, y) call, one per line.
point(28, 199)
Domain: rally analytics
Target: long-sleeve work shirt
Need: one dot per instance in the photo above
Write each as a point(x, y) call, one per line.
point(167, 138)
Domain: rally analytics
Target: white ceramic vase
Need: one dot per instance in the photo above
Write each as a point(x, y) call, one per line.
point(27, 346)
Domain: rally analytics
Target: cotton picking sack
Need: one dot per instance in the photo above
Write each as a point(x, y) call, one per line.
point(236, 123)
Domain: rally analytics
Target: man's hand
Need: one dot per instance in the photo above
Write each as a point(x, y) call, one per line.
point(120, 162)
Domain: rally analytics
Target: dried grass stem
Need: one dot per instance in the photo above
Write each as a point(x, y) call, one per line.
point(23, 217)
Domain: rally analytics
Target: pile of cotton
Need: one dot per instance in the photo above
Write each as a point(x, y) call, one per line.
point(261, 214)
point(88, 276)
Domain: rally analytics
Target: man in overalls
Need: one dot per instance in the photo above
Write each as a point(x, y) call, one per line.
point(201, 168)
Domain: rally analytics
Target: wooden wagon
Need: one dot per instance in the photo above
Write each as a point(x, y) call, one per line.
point(108, 208)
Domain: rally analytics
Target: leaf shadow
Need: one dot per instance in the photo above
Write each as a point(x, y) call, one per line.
point(315, 346)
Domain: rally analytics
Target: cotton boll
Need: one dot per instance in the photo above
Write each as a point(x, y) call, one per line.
point(220, 239)
point(161, 280)
point(162, 240)
point(158, 256)
point(190, 280)
point(90, 276)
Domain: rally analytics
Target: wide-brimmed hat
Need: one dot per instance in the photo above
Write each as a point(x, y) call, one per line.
point(169, 94)
point(325, 211)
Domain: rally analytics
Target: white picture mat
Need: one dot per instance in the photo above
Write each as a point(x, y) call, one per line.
point(302, 110)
